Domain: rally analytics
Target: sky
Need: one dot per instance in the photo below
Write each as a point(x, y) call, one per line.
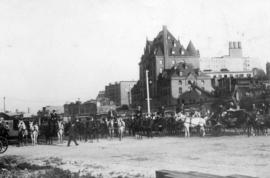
point(56, 51)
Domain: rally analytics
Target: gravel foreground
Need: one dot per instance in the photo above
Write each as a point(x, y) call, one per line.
point(141, 158)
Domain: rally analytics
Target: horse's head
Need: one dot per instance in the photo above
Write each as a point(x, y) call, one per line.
point(223, 114)
point(180, 117)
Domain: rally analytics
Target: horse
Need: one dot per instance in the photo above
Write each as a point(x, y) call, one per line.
point(49, 131)
point(34, 130)
point(191, 122)
point(111, 128)
point(138, 128)
point(60, 131)
point(22, 135)
point(121, 128)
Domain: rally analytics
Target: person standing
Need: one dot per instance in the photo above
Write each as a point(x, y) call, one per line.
point(72, 135)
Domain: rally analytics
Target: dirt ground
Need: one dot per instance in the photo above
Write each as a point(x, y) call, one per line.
point(141, 158)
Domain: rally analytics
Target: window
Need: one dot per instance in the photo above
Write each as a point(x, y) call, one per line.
point(182, 52)
point(173, 62)
point(180, 82)
point(160, 62)
point(180, 91)
point(241, 75)
point(173, 52)
point(160, 70)
point(202, 82)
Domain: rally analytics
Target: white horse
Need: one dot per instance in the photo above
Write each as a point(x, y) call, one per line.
point(110, 125)
point(60, 131)
point(191, 122)
point(34, 129)
point(121, 127)
point(22, 135)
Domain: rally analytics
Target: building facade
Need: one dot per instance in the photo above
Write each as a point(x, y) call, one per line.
point(235, 61)
point(88, 108)
point(268, 70)
point(159, 55)
point(183, 84)
point(120, 92)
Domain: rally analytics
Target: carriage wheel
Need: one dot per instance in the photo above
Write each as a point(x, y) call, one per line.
point(3, 144)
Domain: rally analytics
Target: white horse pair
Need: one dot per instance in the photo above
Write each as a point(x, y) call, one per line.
point(60, 131)
point(191, 122)
point(34, 129)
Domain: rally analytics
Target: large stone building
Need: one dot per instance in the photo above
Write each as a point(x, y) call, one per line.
point(159, 55)
point(235, 61)
point(120, 92)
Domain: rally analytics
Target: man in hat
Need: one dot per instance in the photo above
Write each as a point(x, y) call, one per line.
point(72, 134)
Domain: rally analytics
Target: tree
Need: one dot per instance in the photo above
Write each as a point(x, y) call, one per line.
point(259, 74)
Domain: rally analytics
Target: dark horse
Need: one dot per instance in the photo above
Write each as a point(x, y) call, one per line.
point(49, 129)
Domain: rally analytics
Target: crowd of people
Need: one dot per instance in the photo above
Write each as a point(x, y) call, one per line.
point(113, 125)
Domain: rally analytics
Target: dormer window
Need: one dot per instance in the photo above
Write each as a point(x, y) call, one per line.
point(182, 52)
point(180, 74)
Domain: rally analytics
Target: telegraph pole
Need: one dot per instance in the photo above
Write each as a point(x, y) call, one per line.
point(147, 92)
point(79, 106)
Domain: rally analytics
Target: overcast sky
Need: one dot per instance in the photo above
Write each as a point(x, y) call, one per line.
point(54, 51)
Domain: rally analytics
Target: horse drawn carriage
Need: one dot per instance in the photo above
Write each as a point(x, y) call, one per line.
point(3, 139)
point(229, 120)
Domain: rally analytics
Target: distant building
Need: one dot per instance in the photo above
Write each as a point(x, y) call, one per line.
point(268, 70)
point(120, 92)
point(159, 55)
point(49, 109)
point(87, 108)
point(104, 104)
point(226, 73)
point(232, 62)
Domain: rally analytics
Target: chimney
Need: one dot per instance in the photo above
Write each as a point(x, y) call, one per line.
point(165, 42)
point(239, 45)
point(230, 45)
point(235, 45)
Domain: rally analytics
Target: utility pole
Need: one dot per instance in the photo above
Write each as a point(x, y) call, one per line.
point(79, 105)
point(147, 92)
point(4, 104)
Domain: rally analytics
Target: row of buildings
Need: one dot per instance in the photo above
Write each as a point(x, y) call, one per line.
point(174, 71)
point(177, 75)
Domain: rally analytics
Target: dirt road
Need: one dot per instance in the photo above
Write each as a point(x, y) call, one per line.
point(141, 158)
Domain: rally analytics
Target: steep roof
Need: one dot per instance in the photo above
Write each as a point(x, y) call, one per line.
point(183, 70)
point(191, 50)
